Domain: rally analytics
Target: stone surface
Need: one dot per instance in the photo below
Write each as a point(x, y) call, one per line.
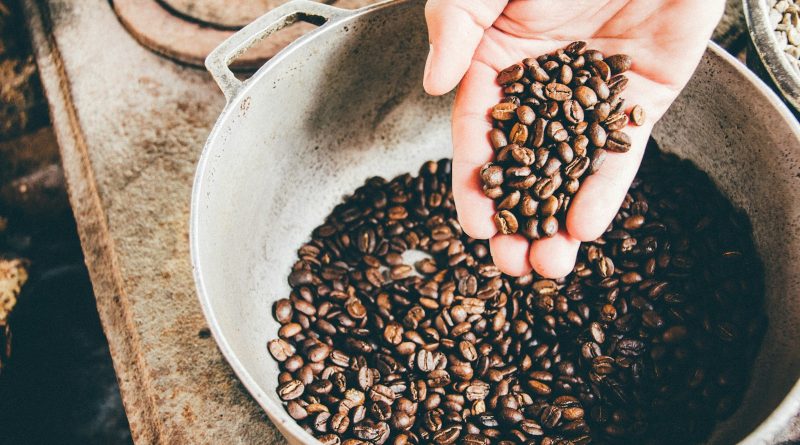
point(131, 125)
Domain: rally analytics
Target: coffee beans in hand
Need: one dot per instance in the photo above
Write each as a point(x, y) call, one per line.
point(562, 112)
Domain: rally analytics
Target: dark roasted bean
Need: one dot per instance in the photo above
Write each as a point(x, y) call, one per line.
point(510, 75)
point(619, 63)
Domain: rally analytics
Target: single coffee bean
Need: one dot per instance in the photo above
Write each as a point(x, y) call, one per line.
point(619, 63)
point(598, 157)
point(597, 135)
point(525, 115)
point(492, 175)
point(565, 152)
point(497, 138)
point(617, 85)
point(565, 75)
point(601, 112)
point(510, 75)
point(280, 349)
point(602, 70)
point(558, 92)
point(616, 121)
point(549, 226)
point(576, 168)
point(585, 96)
point(638, 115)
point(519, 134)
point(510, 201)
point(573, 111)
point(506, 222)
point(618, 142)
point(504, 111)
point(537, 137)
point(291, 390)
point(576, 48)
point(283, 311)
point(599, 86)
point(528, 205)
point(523, 155)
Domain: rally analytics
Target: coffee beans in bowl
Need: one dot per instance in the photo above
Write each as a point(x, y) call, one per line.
point(649, 340)
point(561, 114)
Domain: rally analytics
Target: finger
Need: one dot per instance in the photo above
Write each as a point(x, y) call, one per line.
point(455, 28)
point(554, 257)
point(600, 196)
point(510, 254)
point(472, 149)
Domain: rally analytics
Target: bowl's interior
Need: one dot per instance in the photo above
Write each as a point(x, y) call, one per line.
point(348, 104)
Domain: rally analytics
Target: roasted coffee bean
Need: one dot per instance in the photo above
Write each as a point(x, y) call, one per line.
point(558, 92)
point(506, 222)
point(585, 96)
point(510, 201)
point(523, 155)
point(283, 311)
point(504, 111)
point(618, 142)
point(518, 134)
point(498, 138)
point(538, 132)
point(460, 353)
point(565, 152)
point(291, 390)
point(510, 75)
point(280, 349)
point(598, 157)
point(573, 112)
point(619, 63)
point(525, 115)
point(599, 86)
point(601, 69)
point(492, 175)
point(576, 48)
point(616, 121)
point(597, 135)
point(549, 226)
point(601, 112)
point(577, 167)
point(638, 115)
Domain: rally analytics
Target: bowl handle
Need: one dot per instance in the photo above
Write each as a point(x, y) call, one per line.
point(218, 62)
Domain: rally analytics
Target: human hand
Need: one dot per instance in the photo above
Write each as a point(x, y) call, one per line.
point(473, 40)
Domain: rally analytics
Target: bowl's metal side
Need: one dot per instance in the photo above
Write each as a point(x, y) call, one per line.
point(765, 45)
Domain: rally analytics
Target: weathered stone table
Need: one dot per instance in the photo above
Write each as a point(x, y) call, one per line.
point(130, 125)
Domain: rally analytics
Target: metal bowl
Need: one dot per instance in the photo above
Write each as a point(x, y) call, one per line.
point(773, 63)
point(345, 102)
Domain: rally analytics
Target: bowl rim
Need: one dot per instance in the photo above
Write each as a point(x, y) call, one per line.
point(780, 70)
point(770, 426)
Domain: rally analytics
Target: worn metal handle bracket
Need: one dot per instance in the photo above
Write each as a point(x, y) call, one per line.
point(218, 62)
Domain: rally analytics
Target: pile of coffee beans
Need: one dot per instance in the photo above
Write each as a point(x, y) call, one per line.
point(649, 340)
point(561, 114)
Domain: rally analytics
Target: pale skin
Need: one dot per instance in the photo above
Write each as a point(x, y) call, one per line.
point(473, 40)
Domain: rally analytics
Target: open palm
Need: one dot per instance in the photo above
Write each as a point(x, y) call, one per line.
point(472, 40)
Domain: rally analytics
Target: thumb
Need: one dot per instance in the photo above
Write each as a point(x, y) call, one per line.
point(455, 28)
